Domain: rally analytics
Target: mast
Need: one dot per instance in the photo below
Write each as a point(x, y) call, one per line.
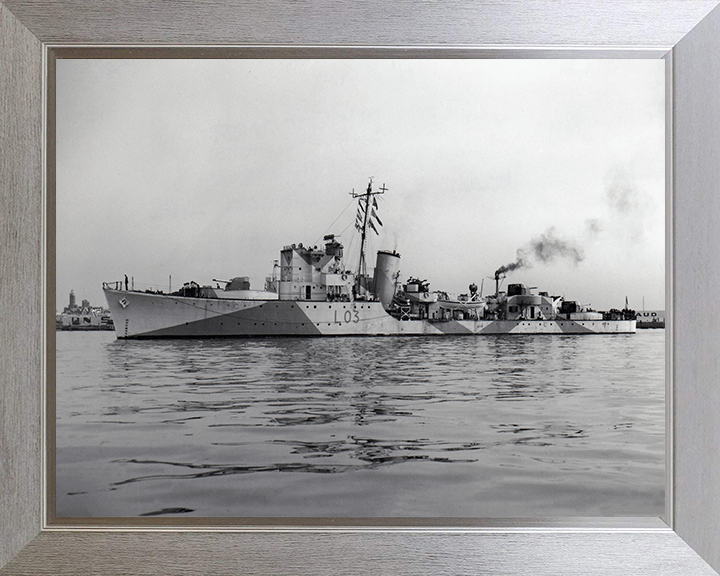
point(364, 199)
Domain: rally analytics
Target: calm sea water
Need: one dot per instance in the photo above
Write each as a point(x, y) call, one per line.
point(489, 426)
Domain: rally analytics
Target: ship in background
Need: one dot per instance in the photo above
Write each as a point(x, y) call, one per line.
point(317, 294)
point(651, 319)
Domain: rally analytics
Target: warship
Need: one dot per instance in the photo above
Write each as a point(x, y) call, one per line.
point(318, 294)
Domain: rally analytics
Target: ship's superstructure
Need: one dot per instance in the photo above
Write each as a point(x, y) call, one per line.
point(318, 294)
point(315, 274)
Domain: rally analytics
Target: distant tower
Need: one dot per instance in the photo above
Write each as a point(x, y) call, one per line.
point(72, 299)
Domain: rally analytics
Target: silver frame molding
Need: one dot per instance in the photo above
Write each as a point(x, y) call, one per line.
point(685, 32)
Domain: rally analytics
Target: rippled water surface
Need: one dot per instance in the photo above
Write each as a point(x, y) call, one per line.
point(489, 426)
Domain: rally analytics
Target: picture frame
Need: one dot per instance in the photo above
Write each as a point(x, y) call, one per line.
point(687, 541)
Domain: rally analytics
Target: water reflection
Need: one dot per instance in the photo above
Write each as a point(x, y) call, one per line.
point(546, 434)
point(361, 454)
point(452, 412)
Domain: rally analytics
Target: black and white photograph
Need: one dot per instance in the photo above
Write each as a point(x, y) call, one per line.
point(360, 288)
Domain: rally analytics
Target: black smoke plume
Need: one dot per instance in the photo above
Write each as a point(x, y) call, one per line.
point(546, 248)
point(521, 261)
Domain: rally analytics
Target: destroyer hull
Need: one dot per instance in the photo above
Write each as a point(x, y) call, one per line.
point(145, 315)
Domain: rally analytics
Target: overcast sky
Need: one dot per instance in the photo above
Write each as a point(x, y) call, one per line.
point(205, 169)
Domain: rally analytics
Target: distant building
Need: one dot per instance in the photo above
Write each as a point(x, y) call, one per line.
point(651, 319)
point(85, 317)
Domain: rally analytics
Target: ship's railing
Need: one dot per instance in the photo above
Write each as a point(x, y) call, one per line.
point(188, 289)
point(133, 286)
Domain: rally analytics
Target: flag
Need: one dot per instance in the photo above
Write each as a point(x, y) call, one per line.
point(373, 227)
point(372, 212)
point(361, 207)
point(374, 202)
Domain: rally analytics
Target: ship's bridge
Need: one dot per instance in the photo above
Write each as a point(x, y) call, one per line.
point(312, 273)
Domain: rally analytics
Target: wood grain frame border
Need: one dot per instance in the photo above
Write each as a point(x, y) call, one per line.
point(689, 31)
